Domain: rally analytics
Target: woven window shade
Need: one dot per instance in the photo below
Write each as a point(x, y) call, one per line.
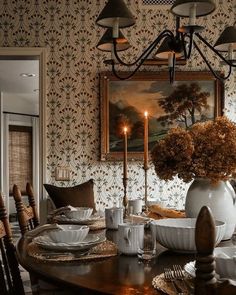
point(20, 157)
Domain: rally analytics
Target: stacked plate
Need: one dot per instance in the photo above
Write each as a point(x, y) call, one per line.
point(87, 221)
point(90, 241)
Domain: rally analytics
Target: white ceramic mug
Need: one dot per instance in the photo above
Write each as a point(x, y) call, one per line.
point(113, 217)
point(135, 206)
point(130, 235)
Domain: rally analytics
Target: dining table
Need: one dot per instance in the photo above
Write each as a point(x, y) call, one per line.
point(118, 274)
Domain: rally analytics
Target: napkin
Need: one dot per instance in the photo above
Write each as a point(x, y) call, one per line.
point(59, 211)
point(63, 209)
point(40, 229)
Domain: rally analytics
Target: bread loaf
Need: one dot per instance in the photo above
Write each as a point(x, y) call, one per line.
point(154, 215)
point(166, 212)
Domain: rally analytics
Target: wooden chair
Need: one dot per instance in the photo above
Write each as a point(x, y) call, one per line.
point(205, 281)
point(10, 278)
point(27, 215)
point(28, 219)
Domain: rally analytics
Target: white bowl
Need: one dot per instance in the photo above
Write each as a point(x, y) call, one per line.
point(81, 213)
point(69, 234)
point(225, 258)
point(178, 234)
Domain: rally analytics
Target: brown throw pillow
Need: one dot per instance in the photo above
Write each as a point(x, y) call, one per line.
point(81, 195)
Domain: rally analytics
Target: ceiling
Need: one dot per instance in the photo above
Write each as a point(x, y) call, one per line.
point(20, 94)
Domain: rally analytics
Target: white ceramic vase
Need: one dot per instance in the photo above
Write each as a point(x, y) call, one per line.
point(220, 198)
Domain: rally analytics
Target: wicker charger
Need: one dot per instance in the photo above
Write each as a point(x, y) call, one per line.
point(104, 250)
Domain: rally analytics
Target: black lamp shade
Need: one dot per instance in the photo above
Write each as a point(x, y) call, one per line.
point(164, 50)
point(203, 7)
point(115, 9)
point(227, 37)
point(106, 42)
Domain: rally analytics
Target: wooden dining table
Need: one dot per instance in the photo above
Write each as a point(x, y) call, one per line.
point(121, 274)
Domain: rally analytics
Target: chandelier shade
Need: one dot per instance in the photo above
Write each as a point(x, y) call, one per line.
point(115, 10)
point(165, 50)
point(183, 7)
point(106, 42)
point(226, 39)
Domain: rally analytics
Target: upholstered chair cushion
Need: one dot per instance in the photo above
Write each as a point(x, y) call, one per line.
point(81, 195)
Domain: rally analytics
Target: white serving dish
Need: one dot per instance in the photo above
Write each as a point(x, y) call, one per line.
point(70, 233)
point(178, 234)
point(80, 213)
point(225, 258)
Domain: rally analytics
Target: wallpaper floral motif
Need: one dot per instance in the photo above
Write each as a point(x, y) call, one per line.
point(67, 29)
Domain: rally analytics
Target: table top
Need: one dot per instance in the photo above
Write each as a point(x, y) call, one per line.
point(115, 275)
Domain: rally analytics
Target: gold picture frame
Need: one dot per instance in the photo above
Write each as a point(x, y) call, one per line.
point(128, 99)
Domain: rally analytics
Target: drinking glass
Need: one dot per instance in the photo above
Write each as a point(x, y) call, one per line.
point(147, 245)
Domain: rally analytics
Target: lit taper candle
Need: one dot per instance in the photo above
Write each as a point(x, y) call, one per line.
point(125, 154)
point(146, 140)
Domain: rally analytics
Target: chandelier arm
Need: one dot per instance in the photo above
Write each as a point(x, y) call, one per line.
point(220, 77)
point(190, 37)
point(172, 70)
point(177, 26)
point(190, 45)
point(146, 52)
point(214, 50)
point(183, 45)
point(128, 76)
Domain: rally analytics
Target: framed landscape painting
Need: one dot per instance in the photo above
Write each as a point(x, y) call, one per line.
point(193, 97)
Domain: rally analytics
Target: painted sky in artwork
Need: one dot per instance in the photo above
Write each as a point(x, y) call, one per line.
point(144, 95)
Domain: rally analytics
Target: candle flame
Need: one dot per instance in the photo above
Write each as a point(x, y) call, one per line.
point(125, 129)
point(146, 114)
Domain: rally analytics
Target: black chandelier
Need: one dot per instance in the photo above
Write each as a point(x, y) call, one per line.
point(167, 45)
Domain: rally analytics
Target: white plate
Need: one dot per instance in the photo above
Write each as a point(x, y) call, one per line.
point(90, 220)
point(89, 242)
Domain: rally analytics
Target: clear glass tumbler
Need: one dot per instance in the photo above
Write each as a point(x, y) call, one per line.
point(147, 245)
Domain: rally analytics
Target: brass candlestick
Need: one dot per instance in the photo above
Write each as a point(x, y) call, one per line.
point(125, 199)
point(145, 156)
point(145, 187)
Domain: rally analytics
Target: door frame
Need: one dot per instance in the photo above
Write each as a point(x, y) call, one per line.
point(40, 54)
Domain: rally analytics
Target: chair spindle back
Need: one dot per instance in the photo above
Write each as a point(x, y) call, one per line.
point(10, 278)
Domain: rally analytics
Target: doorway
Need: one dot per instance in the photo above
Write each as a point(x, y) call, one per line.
point(22, 89)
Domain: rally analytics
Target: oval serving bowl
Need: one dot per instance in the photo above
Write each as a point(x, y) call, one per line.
point(178, 234)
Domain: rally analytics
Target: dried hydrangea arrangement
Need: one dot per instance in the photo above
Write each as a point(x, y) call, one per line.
point(207, 150)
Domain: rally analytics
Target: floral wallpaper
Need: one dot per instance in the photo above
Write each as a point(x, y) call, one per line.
point(67, 29)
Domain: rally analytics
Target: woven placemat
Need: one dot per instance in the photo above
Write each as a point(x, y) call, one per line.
point(99, 224)
point(161, 284)
point(104, 250)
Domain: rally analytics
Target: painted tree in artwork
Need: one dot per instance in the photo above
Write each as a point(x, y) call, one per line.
point(183, 104)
